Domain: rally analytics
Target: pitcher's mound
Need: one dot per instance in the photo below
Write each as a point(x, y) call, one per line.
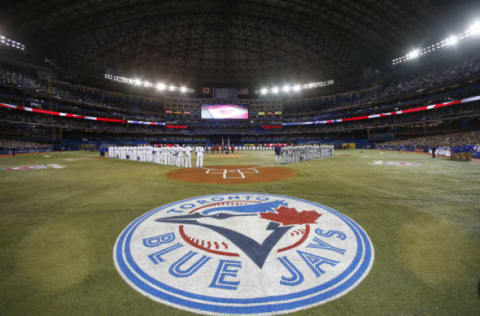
point(231, 174)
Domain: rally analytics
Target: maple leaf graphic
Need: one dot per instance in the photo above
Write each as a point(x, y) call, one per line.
point(290, 216)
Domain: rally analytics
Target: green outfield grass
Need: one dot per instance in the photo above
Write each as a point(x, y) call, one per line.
point(58, 228)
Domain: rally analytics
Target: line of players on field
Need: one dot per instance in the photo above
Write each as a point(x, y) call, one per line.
point(226, 149)
point(295, 154)
point(168, 156)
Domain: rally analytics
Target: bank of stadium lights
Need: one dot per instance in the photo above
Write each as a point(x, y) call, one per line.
point(160, 86)
point(473, 30)
point(11, 43)
point(288, 88)
point(452, 40)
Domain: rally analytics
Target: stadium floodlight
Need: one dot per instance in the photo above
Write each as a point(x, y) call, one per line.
point(452, 40)
point(474, 29)
point(137, 82)
point(413, 54)
point(288, 88)
point(11, 43)
point(161, 86)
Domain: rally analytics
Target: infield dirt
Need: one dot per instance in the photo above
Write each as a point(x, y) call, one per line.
point(231, 174)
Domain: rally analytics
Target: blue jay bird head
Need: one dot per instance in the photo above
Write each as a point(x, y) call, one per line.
point(195, 217)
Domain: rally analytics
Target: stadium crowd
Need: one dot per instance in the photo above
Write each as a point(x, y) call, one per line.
point(65, 97)
point(429, 87)
point(365, 101)
point(452, 140)
point(82, 95)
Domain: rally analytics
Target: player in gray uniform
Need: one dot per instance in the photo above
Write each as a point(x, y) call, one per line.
point(305, 153)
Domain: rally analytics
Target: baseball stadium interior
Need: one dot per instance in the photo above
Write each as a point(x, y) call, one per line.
point(109, 109)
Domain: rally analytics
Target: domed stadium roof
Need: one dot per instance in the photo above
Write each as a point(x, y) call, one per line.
point(225, 43)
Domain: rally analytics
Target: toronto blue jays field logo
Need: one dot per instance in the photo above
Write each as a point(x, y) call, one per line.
point(243, 253)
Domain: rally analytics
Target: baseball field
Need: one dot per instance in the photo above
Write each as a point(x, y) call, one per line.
point(61, 214)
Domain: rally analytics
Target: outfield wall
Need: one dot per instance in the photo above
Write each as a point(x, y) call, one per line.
point(25, 151)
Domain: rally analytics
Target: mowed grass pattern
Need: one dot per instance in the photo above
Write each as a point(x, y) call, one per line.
point(58, 228)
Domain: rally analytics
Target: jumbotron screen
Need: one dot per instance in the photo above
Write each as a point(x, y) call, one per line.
point(224, 112)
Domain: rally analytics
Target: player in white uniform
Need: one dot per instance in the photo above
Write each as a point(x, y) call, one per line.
point(131, 153)
point(126, 153)
point(160, 155)
point(154, 154)
point(169, 156)
point(150, 154)
point(141, 155)
point(173, 156)
point(188, 156)
point(180, 157)
point(163, 156)
point(199, 151)
point(137, 153)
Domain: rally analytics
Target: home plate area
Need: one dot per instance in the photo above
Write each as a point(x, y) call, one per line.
point(238, 173)
point(231, 174)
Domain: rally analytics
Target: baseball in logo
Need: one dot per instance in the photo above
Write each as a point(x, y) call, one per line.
point(243, 253)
